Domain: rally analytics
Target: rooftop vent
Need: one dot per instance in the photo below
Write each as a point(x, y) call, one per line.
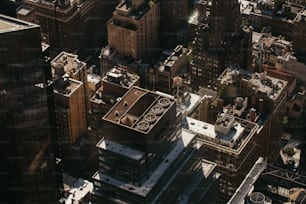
point(164, 102)
point(150, 118)
point(157, 110)
point(257, 198)
point(143, 126)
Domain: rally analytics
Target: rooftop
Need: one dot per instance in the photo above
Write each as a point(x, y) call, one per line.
point(123, 150)
point(192, 101)
point(77, 189)
point(9, 24)
point(260, 82)
point(134, 8)
point(121, 77)
point(66, 86)
point(149, 184)
point(271, 44)
point(101, 98)
point(66, 63)
point(288, 12)
point(93, 78)
point(50, 3)
point(228, 131)
point(139, 109)
point(24, 10)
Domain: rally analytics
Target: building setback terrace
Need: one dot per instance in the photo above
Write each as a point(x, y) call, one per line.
point(227, 131)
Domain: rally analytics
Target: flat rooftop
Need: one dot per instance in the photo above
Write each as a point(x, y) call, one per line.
point(192, 101)
point(121, 78)
point(9, 24)
point(122, 150)
point(260, 82)
point(227, 131)
point(67, 87)
point(149, 184)
point(134, 9)
point(139, 109)
point(93, 78)
point(77, 189)
point(24, 10)
point(67, 61)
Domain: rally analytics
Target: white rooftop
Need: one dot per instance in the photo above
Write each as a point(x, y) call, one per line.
point(226, 132)
point(23, 10)
point(92, 78)
point(9, 24)
point(78, 191)
point(191, 104)
point(201, 128)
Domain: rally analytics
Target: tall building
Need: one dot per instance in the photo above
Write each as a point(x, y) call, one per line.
point(26, 141)
point(68, 64)
point(219, 41)
point(146, 157)
point(8, 7)
point(114, 85)
point(231, 143)
point(173, 17)
point(70, 109)
point(299, 37)
point(171, 64)
point(68, 25)
point(133, 31)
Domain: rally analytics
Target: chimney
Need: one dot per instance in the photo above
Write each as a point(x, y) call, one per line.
point(253, 114)
point(253, 98)
point(260, 105)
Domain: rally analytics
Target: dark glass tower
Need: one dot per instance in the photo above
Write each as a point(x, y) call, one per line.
point(219, 41)
point(25, 139)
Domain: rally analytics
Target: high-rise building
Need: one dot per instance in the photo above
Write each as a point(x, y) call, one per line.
point(146, 157)
point(26, 140)
point(68, 25)
point(231, 143)
point(70, 109)
point(69, 65)
point(219, 41)
point(171, 64)
point(173, 17)
point(8, 7)
point(133, 31)
point(299, 37)
point(114, 85)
